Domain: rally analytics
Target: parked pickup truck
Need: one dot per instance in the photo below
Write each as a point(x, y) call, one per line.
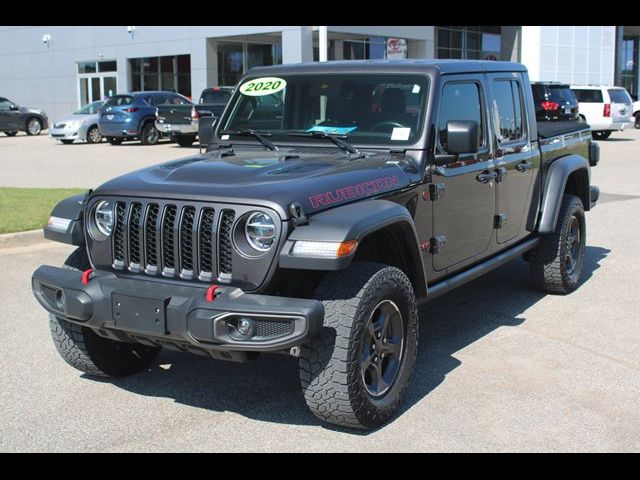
point(316, 223)
point(181, 121)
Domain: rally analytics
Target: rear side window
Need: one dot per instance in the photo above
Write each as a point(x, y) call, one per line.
point(119, 100)
point(618, 95)
point(507, 105)
point(215, 96)
point(156, 100)
point(561, 94)
point(460, 101)
point(588, 95)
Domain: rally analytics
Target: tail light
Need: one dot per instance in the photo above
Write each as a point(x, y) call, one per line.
point(607, 110)
point(194, 114)
point(131, 109)
point(549, 106)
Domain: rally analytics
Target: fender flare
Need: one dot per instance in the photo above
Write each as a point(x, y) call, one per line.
point(354, 221)
point(68, 209)
point(554, 188)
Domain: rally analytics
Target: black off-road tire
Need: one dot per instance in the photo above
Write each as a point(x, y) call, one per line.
point(185, 140)
point(114, 140)
point(85, 350)
point(330, 371)
point(601, 134)
point(548, 261)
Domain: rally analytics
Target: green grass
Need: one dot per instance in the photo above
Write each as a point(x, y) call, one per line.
point(29, 208)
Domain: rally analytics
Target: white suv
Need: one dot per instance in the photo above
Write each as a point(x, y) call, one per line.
point(636, 113)
point(606, 109)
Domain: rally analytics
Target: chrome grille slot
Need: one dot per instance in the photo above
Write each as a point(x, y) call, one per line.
point(168, 240)
point(186, 242)
point(135, 245)
point(118, 236)
point(151, 237)
point(207, 245)
point(225, 250)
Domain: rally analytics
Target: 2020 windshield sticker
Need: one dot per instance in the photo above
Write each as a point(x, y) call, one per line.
point(262, 86)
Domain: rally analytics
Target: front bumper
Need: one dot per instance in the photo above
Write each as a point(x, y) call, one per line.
point(65, 134)
point(179, 129)
point(170, 314)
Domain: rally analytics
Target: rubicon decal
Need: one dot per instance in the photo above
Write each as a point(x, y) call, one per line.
point(353, 191)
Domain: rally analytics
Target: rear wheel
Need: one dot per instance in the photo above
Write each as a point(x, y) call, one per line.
point(637, 122)
point(114, 140)
point(11, 133)
point(34, 126)
point(85, 350)
point(556, 263)
point(355, 373)
point(601, 135)
point(94, 135)
point(67, 142)
point(185, 140)
point(150, 134)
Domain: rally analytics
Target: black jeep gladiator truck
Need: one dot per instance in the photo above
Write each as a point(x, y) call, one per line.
point(334, 199)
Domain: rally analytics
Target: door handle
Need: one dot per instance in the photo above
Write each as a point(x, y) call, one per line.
point(486, 176)
point(524, 166)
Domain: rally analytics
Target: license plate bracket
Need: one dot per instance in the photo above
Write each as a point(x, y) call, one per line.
point(144, 315)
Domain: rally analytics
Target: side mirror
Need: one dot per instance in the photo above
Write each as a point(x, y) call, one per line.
point(14, 108)
point(463, 136)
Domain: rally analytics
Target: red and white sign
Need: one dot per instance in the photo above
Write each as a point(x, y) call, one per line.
point(396, 48)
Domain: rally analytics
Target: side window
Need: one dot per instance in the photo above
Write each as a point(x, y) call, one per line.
point(5, 104)
point(156, 100)
point(460, 101)
point(507, 104)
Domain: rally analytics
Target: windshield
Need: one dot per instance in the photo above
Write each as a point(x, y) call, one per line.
point(366, 108)
point(90, 109)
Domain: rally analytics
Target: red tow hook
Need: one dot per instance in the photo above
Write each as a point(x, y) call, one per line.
point(211, 293)
point(87, 275)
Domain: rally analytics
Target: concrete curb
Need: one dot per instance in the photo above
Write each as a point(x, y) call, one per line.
point(22, 239)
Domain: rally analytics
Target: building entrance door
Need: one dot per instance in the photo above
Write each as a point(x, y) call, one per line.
point(96, 81)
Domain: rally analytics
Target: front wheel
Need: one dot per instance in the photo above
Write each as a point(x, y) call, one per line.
point(85, 350)
point(11, 133)
point(34, 126)
point(355, 373)
point(601, 135)
point(94, 135)
point(150, 134)
point(556, 263)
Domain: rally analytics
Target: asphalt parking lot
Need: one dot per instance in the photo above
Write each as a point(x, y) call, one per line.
point(500, 366)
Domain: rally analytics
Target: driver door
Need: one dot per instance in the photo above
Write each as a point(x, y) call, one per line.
point(463, 213)
point(5, 114)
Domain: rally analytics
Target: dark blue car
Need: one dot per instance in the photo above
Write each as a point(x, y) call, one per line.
point(132, 116)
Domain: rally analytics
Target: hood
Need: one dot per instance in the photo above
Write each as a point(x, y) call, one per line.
point(317, 179)
point(75, 117)
point(32, 110)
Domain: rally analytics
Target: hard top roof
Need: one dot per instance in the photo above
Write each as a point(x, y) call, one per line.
point(409, 66)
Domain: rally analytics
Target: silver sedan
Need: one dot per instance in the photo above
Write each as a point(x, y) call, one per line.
point(82, 125)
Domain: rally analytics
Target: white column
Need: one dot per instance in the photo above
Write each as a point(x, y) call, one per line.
point(297, 45)
point(323, 47)
point(530, 50)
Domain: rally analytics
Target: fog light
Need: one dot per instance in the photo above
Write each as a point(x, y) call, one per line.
point(245, 326)
point(60, 299)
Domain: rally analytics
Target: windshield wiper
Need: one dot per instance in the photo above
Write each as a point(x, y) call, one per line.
point(334, 138)
point(248, 131)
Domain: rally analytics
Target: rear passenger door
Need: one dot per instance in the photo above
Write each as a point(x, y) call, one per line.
point(515, 159)
point(463, 213)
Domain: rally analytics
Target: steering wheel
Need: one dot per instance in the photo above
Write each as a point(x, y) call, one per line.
point(377, 126)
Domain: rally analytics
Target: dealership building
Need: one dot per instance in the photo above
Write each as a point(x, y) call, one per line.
point(61, 68)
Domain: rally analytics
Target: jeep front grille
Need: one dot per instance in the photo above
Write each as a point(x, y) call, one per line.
point(184, 241)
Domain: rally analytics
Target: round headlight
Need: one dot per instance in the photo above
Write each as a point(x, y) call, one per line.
point(103, 217)
point(260, 231)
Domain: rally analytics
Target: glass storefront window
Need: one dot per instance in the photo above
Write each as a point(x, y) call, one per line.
point(170, 73)
point(469, 42)
point(110, 66)
point(629, 74)
point(235, 58)
point(86, 67)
